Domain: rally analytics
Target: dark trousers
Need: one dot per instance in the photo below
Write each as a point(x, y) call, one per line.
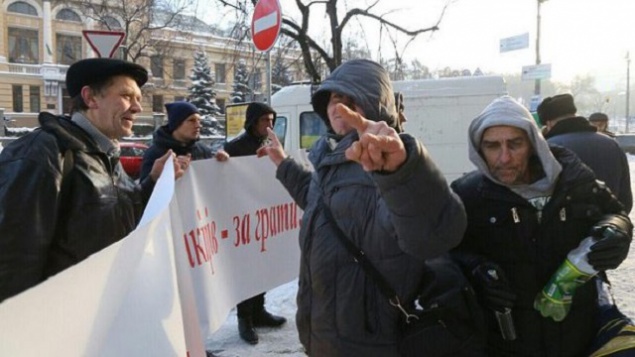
point(250, 307)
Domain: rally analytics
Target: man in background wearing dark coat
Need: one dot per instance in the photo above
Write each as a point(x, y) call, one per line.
point(601, 121)
point(251, 312)
point(181, 135)
point(598, 151)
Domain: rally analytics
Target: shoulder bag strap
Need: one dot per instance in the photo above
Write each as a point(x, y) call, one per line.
point(365, 264)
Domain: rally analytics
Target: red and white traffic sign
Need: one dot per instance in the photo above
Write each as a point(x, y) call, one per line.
point(265, 24)
point(104, 43)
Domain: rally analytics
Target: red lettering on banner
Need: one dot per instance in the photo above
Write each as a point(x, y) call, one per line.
point(243, 229)
point(201, 242)
point(275, 220)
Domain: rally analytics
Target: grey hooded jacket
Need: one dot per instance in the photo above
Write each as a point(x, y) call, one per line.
point(397, 219)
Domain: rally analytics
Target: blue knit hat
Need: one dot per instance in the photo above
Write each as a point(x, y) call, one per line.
point(178, 112)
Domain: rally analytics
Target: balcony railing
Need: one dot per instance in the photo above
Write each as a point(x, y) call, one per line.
point(24, 68)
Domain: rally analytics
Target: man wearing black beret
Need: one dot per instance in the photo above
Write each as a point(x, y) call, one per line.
point(251, 312)
point(63, 192)
point(598, 151)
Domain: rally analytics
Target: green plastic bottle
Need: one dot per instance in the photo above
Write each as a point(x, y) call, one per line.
point(554, 300)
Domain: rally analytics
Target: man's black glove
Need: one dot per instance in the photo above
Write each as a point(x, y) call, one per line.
point(492, 286)
point(614, 234)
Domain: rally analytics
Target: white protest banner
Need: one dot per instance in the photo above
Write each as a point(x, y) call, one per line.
point(168, 285)
point(234, 243)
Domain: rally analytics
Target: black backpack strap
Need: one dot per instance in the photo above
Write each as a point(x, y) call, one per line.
point(67, 167)
point(370, 270)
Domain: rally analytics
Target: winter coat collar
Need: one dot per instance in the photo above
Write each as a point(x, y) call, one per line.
point(163, 138)
point(66, 131)
point(571, 125)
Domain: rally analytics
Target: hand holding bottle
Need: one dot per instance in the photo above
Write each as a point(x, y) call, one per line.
point(555, 298)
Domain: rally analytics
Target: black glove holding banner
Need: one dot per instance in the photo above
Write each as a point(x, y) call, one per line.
point(614, 234)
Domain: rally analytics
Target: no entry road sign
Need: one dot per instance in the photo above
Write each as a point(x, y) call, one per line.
point(265, 24)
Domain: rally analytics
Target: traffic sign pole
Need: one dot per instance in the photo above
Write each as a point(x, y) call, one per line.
point(269, 77)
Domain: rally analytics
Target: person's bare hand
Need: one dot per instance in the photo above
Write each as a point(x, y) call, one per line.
point(221, 155)
point(273, 148)
point(379, 147)
point(180, 165)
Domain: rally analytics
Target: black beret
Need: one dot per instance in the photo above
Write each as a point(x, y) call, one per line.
point(598, 117)
point(556, 106)
point(93, 70)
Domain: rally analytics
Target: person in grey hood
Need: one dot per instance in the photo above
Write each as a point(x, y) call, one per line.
point(528, 205)
point(385, 193)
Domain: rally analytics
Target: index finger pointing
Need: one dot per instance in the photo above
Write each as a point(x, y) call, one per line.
point(352, 118)
point(271, 135)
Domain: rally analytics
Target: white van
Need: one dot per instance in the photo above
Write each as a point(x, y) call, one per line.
point(438, 113)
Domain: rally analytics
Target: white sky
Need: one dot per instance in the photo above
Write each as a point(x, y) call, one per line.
point(577, 36)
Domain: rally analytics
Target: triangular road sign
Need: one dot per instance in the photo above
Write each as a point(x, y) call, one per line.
point(104, 43)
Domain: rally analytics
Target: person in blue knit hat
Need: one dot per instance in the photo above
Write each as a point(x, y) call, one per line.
point(181, 134)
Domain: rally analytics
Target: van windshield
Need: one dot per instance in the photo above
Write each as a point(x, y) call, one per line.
point(311, 128)
point(280, 128)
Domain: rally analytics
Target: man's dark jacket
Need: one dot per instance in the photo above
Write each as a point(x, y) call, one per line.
point(162, 141)
point(598, 151)
point(504, 228)
point(49, 223)
point(243, 145)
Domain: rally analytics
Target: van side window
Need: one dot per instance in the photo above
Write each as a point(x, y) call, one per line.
point(311, 128)
point(280, 128)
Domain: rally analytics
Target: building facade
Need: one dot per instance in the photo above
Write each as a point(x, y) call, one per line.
point(39, 39)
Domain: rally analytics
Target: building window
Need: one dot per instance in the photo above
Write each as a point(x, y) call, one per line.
point(68, 49)
point(221, 104)
point(178, 69)
point(23, 46)
point(34, 99)
point(68, 15)
point(255, 82)
point(219, 71)
point(157, 103)
point(110, 23)
point(18, 101)
point(22, 7)
point(156, 66)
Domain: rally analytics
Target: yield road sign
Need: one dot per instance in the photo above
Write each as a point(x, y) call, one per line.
point(265, 24)
point(104, 43)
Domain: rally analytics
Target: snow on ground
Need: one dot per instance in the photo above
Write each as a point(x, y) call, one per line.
point(281, 301)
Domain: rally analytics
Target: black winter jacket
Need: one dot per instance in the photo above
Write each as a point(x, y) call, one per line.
point(162, 141)
point(598, 151)
point(49, 223)
point(504, 228)
point(243, 145)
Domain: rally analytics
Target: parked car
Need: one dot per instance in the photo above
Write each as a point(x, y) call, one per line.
point(131, 156)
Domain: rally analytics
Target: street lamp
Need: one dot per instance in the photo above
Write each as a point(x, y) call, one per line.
point(628, 88)
point(537, 85)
